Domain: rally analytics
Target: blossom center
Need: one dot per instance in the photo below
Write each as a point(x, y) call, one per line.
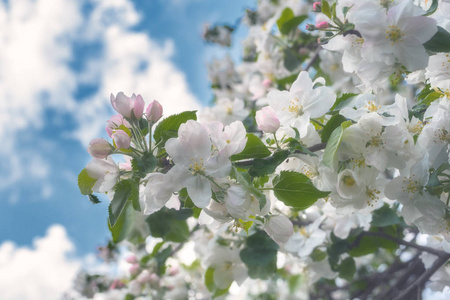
point(348, 180)
point(417, 128)
point(394, 34)
point(303, 232)
point(410, 186)
point(196, 167)
point(295, 107)
point(385, 3)
point(373, 195)
point(442, 135)
point(372, 107)
point(376, 141)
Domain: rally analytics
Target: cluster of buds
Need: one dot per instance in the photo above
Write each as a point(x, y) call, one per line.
point(121, 127)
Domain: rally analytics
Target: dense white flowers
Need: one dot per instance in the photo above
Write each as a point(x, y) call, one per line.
point(316, 160)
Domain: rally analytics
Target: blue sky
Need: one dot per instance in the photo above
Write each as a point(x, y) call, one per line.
point(59, 61)
point(48, 155)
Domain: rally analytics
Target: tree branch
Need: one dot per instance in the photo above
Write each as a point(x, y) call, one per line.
point(402, 242)
point(313, 148)
point(418, 285)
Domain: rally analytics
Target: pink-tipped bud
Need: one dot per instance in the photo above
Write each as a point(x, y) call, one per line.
point(122, 104)
point(154, 111)
point(131, 259)
point(317, 7)
point(267, 120)
point(99, 148)
point(322, 25)
point(138, 107)
point(174, 270)
point(121, 139)
point(267, 83)
point(115, 122)
point(134, 269)
point(128, 107)
point(117, 284)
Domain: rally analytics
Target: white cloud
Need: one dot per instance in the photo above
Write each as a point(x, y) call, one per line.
point(133, 63)
point(38, 39)
point(44, 271)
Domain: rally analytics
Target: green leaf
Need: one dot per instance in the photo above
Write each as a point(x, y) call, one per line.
point(254, 148)
point(296, 190)
point(432, 8)
point(345, 10)
point(335, 250)
point(121, 195)
point(267, 166)
point(347, 269)
point(143, 165)
point(246, 225)
point(370, 244)
point(134, 196)
point(331, 125)
point(326, 9)
point(333, 144)
point(440, 42)
point(245, 181)
point(129, 297)
point(123, 226)
point(342, 100)
point(211, 286)
point(318, 255)
point(161, 258)
point(94, 199)
point(286, 15)
point(295, 145)
point(291, 60)
point(143, 126)
point(291, 24)
point(260, 255)
point(170, 224)
point(294, 283)
point(209, 279)
point(168, 127)
point(85, 182)
point(385, 216)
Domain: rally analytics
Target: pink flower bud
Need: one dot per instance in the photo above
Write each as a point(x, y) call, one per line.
point(131, 259)
point(174, 270)
point(99, 148)
point(267, 83)
point(114, 122)
point(154, 111)
point(322, 25)
point(134, 269)
point(122, 104)
point(317, 7)
point(127, 106)
point(138, 107)
point(267, 120)
point(117, 284)
point(121, 139)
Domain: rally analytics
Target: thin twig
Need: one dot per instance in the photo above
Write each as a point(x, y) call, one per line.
point(402, 242)
point(420, 282)
point(314, 58)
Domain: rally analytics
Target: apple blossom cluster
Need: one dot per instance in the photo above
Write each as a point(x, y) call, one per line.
point(321, 170)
